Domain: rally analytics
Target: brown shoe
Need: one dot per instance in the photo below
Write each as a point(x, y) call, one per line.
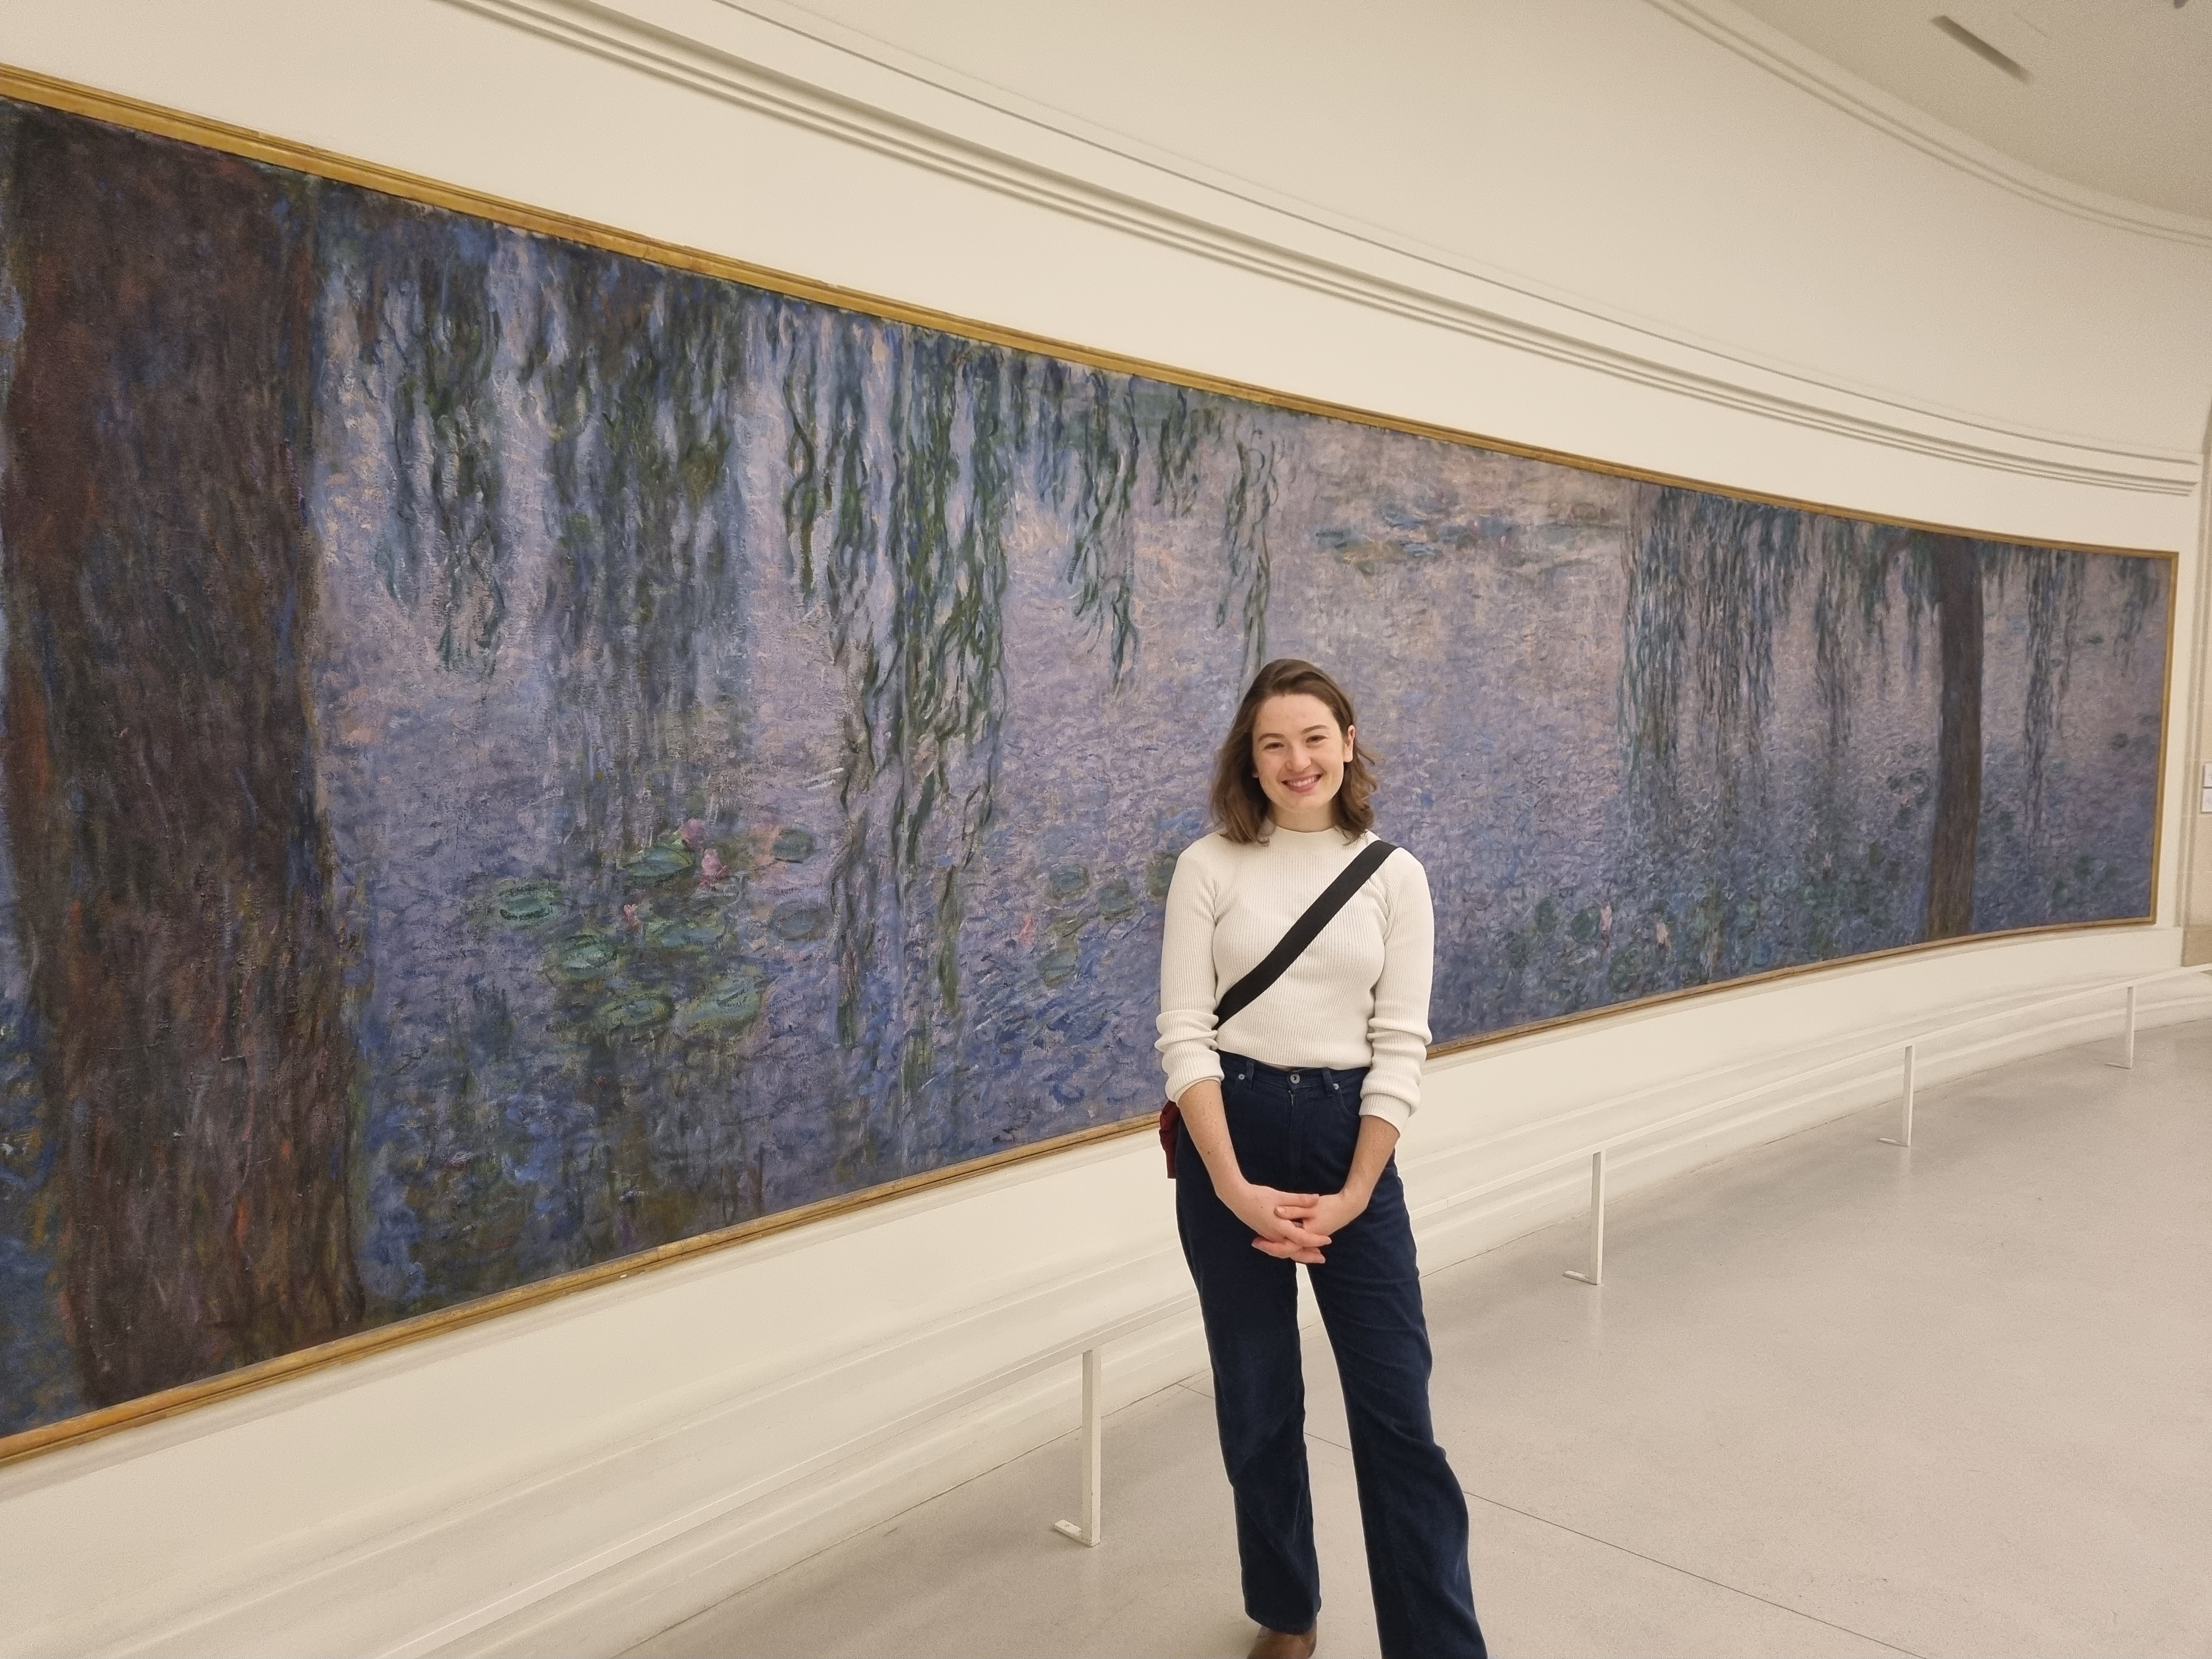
point(1284, 1644)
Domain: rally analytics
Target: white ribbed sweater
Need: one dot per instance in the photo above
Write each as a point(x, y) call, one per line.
point(1359, 995)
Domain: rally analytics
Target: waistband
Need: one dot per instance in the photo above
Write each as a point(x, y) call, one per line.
point(1244, 1069)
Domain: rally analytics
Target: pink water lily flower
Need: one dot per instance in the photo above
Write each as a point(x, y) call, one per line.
point(629, 915)
point(711, 867)
point(695, 831)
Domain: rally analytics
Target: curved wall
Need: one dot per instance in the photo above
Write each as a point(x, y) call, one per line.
point(1650, 234)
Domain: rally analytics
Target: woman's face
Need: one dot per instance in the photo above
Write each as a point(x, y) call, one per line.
point(1299, 752)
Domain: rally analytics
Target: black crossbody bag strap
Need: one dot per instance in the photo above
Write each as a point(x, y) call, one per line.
point(1304, 931)
point(1292, 945)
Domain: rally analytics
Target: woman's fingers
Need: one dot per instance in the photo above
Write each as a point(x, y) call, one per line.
point(1266, 1209)
point(1278, 1226)
point(1291, 1233)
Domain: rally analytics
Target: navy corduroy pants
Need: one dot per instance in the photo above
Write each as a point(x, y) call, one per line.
point(1296, 1131)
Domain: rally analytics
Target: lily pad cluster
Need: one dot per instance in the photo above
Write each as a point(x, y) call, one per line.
point(662, 950)
point(1569, 952)
point(1074, 902)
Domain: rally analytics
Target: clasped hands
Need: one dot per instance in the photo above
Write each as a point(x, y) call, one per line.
point(1290, 1226)
point(1294, 1226)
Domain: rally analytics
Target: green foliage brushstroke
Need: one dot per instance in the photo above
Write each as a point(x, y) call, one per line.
point(912, 574)
point(423, 312)
point(642, 375)
point(1711, 577)
point(1248, 506)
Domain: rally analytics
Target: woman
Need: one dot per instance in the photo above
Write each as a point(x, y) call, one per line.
point(1291, 1111)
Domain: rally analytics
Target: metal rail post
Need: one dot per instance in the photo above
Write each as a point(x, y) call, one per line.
point(1903, 1135)
point(2127, 1061)
point(1094, 1458)
point(1596, 1273)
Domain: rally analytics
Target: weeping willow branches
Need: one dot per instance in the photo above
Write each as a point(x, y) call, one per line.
point(1850, 562)
point(1710, 581)
point(1248, 505)
point(642, 375)
point(423, 315)
point(912, 574)
point(1093, 425)
point(910, 457)
point(2054, 587)
point(2053, 581)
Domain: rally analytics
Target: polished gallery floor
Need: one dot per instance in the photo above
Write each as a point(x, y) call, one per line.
point(1834, 1398)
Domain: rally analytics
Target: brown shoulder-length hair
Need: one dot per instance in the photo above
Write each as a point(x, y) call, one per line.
point(1240, 806)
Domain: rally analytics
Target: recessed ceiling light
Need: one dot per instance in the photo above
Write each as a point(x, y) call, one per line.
point(1983, 50)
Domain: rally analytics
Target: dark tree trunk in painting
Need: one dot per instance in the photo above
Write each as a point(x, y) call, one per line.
point(174, 872)
point(1957, 583)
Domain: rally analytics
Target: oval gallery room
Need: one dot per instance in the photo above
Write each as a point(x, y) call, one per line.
point(862, 828)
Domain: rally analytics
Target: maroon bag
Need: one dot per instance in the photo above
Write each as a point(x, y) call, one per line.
point(1304, 931)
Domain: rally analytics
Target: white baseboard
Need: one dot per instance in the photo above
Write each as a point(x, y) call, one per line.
point(619, 1609)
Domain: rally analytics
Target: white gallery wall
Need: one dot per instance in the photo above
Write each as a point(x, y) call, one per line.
point(1650, 232)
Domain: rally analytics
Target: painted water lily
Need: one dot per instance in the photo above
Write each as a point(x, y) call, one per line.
point(695, 831)
point(711, 867)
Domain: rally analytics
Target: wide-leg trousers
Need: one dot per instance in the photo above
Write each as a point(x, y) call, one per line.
point(1296, 1131)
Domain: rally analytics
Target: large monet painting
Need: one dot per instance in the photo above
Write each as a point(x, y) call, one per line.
point(515, 754)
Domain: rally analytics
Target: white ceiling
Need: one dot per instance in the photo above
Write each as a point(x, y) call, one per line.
point(2120, 98)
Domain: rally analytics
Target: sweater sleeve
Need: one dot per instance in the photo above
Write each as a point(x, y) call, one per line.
point(1398, 1031)
point(1187, 990)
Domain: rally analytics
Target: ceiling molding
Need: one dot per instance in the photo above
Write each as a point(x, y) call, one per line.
point(1758, 42)
point(1035, 158)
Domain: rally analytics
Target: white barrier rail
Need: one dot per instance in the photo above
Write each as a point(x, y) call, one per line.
point(1910, 1049)
point(1088, 1530)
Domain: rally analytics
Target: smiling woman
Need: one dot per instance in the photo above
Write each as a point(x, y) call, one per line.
point(1297, 744)
point(1294, 1102)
